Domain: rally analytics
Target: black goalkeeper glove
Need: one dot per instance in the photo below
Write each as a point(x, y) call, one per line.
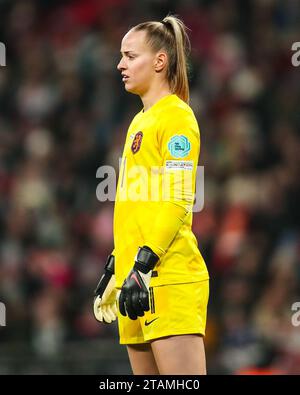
point(134, 296)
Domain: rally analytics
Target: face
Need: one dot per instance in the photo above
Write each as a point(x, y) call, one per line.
point(139, 64)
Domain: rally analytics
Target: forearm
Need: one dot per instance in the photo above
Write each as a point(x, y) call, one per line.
point(166, 225)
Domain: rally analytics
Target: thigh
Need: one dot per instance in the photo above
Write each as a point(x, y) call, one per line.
point(183, 354)
point(142, 360)
point(130, 331)
point(177, 309)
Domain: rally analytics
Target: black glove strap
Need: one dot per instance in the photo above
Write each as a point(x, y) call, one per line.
point(145, 260)
point(110, 264)
point(104, 280)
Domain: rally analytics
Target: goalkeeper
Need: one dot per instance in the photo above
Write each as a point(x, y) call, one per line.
point(155, 281)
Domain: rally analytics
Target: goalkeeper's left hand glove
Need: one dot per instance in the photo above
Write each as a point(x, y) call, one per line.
point(134, 296)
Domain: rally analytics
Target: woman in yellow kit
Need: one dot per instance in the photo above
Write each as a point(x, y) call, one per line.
point(155, 280)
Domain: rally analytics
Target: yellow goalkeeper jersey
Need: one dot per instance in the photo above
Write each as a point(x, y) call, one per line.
point(155, 194)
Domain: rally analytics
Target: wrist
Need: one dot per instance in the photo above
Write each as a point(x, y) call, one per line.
point(145, 260)
point(108, 275)
point(110, 264)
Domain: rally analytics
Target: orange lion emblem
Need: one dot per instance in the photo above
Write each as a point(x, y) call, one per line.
point(137, 141)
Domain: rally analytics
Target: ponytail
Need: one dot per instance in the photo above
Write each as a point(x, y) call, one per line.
point(171, 35)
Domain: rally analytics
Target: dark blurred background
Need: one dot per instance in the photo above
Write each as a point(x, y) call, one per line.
point(64, 113)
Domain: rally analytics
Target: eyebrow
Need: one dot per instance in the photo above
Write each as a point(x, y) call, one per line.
point(126, 52)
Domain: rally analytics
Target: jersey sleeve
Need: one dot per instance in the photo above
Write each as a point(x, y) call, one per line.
point(179, 144)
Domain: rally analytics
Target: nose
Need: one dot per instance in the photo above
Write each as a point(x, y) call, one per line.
point(121, 66)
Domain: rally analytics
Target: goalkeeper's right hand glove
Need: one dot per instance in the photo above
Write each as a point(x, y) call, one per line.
point(105, 301)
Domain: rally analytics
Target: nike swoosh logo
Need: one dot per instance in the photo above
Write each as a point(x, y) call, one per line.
point(150, 322)
point(136, 279)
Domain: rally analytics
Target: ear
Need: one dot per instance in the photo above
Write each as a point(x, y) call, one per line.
point(160, 61)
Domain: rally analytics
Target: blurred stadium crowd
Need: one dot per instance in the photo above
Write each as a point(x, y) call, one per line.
point(64, 113)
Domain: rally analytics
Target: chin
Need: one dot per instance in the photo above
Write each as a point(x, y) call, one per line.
point(132, 89)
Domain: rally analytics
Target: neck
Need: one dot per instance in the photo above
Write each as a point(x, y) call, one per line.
point(153, 95)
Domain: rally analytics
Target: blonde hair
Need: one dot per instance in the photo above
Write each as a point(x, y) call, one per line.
point(171, 35)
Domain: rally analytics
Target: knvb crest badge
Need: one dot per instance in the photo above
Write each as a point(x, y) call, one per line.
point(137, 141)
point(179, 146)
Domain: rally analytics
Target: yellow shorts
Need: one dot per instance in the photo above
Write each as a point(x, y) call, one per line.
point(175, 309)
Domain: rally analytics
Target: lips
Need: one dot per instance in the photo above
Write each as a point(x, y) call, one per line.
point(125, 77)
